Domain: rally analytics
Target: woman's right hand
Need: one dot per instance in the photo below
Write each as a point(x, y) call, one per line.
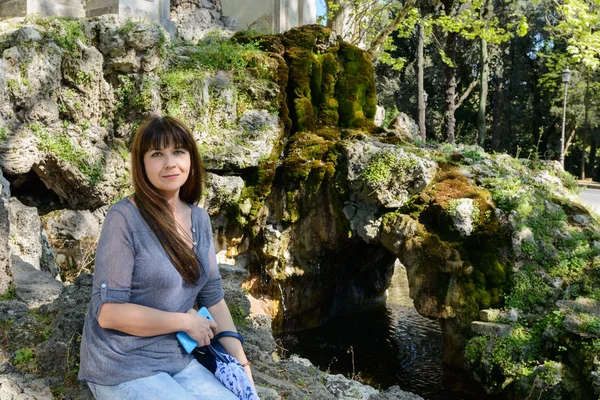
point(201, 329)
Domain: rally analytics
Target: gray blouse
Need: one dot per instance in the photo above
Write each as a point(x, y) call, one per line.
point(132, 267)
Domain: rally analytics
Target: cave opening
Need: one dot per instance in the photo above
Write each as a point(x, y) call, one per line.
point(30, 190)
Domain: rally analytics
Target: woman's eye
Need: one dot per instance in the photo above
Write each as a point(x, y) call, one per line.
point(179, 151)
point(157, 154)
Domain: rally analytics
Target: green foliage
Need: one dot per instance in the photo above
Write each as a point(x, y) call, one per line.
point(62, 147)
point(23, 356)
point(65, 32)
point(9, 294)
point(529, 291)
point(513, 355)
point(217, 53)
point(239, 315)
point(590, 323)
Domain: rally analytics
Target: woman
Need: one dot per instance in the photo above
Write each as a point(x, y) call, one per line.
point(155, 258)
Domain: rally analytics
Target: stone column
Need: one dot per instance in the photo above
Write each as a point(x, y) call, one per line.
point(288, 14)
point(309, 12)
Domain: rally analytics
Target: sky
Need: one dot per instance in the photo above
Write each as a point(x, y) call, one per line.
point(320, 8)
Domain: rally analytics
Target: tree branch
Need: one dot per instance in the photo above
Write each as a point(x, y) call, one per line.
point(571, 136)
point(375, 46)
point(466, 93)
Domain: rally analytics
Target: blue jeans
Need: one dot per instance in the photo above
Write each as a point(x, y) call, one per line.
point(194, 382)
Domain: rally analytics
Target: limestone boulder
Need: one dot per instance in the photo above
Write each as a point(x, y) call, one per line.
point(70, 309)
point(129, 47)
point(6, 110)
point(88, 175)
point(32, 286)
point(464, 214)
point(88, 97)
point(379, 116)
point(28, 240)
point(20, 151)
point(26, 233)
point(5, 269)
point(383, 174)
point(404, 127)
point(12, 309)
point(491, 328)
point(221, 191)
point(73, 224)
point(195, 19)
point(257, 134)
point(32, 76)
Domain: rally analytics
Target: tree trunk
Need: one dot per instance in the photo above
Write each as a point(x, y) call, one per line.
point(591, 166)
point(450, 93)
point(586, 128)
point(497, 115)
point(340, 18)
point(420, 84)
point(483, 92)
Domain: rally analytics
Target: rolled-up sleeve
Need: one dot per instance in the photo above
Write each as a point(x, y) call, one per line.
point(212, 292)
point(114, 263)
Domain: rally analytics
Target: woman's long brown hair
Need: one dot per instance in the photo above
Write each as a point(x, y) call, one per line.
point(159, 133)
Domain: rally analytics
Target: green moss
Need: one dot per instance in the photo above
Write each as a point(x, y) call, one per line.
point(328, 105)
point(355, 89)
point(386, 165)
point(3, 133)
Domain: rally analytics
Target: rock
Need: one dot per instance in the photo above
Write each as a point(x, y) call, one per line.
point(14, 386)
point(34, 75)
point(362, 220)
point(521, 238)
point(19, 154)
point(404, 127)
point(394, 234)
point(221, 191)
point(70, 309)
point(129, 48)
point(265, 393)
point(194, 21)
point(493, 315)
point(344, 388)
point(379, 116)
point(26, 233)
point(464, 214)
point(48, 260)
point(88, 97)
point(383, 174)
point(582, 324)
point(581, 220)
point(582, 304)
point(227, 149)
point(32, 286)
point(5, 269)
point(73, 224)
point(12, 309)
point(490, 328)
point(395, 393)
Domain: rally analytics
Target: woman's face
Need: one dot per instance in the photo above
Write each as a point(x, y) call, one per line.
point(167, 169)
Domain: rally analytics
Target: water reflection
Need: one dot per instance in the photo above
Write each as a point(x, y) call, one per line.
point(388, 345)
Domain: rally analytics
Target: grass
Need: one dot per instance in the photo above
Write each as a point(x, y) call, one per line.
point(61, 146)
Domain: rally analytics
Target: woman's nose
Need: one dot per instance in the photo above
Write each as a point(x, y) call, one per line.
point(169, 161)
